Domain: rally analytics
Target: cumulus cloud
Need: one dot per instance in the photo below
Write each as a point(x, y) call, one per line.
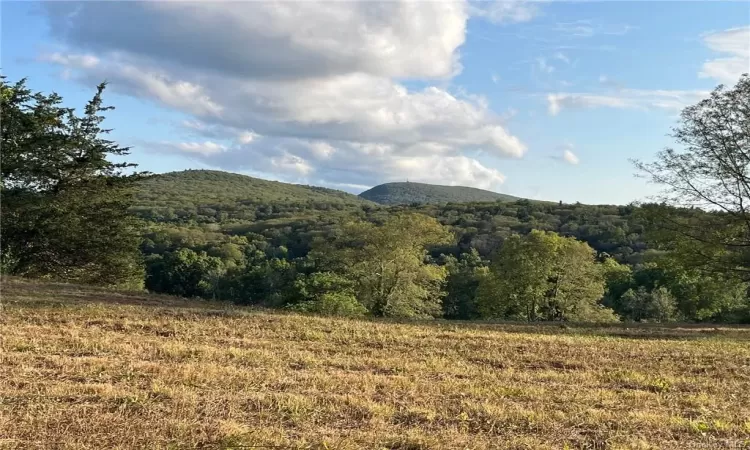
point(735, 43)
point(345, 164)
point(458, 170)
point(307, 88)
point(274, 39)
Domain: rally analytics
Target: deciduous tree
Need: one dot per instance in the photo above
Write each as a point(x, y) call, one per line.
point(709, 171)
point(543, 276)
point(387, 264)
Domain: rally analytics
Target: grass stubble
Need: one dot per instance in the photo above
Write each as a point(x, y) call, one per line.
point(88, 368)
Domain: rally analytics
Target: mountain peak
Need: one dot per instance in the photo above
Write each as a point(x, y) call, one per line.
point(408, 192)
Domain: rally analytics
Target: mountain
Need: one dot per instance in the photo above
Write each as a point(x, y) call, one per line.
point(407, 193)
point(211, 188)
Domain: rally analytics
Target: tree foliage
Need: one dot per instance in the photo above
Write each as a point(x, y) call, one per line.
point(387, 264)
point(543, 276)
point(464, 276)
point(327, 293)
point(70, 213)
point(64, 203)
point(185, 273)
point(417, 193)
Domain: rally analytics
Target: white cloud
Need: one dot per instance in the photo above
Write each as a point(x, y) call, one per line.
point(205, 148)
point(589, 28)
point(625, 99)
point(322, 150)
point(543, 66)
point(247, 137)
point(141, 81)
point(495, 78)
point(736, 43)
point(83, 61)
point(569, 157)
point(733, 41)
point(505, 11)
point(564, 153)
point(562, 57)
point(347, 164)
point(319, 81)
point(452, 170)
point(291, 163)
point(275, 39)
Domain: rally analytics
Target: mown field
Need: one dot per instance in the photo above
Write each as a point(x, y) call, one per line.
point(85, 368)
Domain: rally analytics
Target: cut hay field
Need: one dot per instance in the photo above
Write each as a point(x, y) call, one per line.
point(86, 368)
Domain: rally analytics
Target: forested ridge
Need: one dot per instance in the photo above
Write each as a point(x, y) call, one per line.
point(236, 204)
point(70, 214)
point(259, 250)
point(409, 193)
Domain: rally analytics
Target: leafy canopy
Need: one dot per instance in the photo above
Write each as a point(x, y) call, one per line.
point(387, 264)
point(544, 276)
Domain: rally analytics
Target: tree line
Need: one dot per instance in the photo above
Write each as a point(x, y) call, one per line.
point(69, 213)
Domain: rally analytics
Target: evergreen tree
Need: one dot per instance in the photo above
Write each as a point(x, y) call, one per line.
point(64, 203)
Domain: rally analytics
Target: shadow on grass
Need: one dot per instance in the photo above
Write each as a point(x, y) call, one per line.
point(35, 293)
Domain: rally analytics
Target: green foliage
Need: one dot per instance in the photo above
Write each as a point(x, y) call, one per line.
point(462, 282)
point(268, 282)
point(408, 193)
point(387, 266)
point(327, 293)
point(64, 203)
point(543, 276)
point(642, 305)
point(682, 291)
point(210, 196)
point(71, 214)
point(703, 296)
point(185, 273)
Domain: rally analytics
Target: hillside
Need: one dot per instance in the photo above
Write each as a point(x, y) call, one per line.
point(87, 368)
point(407, 193)
point(211, 189)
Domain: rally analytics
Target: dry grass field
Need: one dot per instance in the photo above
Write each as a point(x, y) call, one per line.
point(86, 368)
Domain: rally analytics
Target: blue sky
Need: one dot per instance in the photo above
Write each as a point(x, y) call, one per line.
point(546, 100)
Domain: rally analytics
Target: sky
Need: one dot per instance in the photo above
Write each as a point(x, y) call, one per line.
point(547, 100)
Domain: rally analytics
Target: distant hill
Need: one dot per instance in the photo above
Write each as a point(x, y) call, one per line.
point(195, 192)
point(407, 193)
